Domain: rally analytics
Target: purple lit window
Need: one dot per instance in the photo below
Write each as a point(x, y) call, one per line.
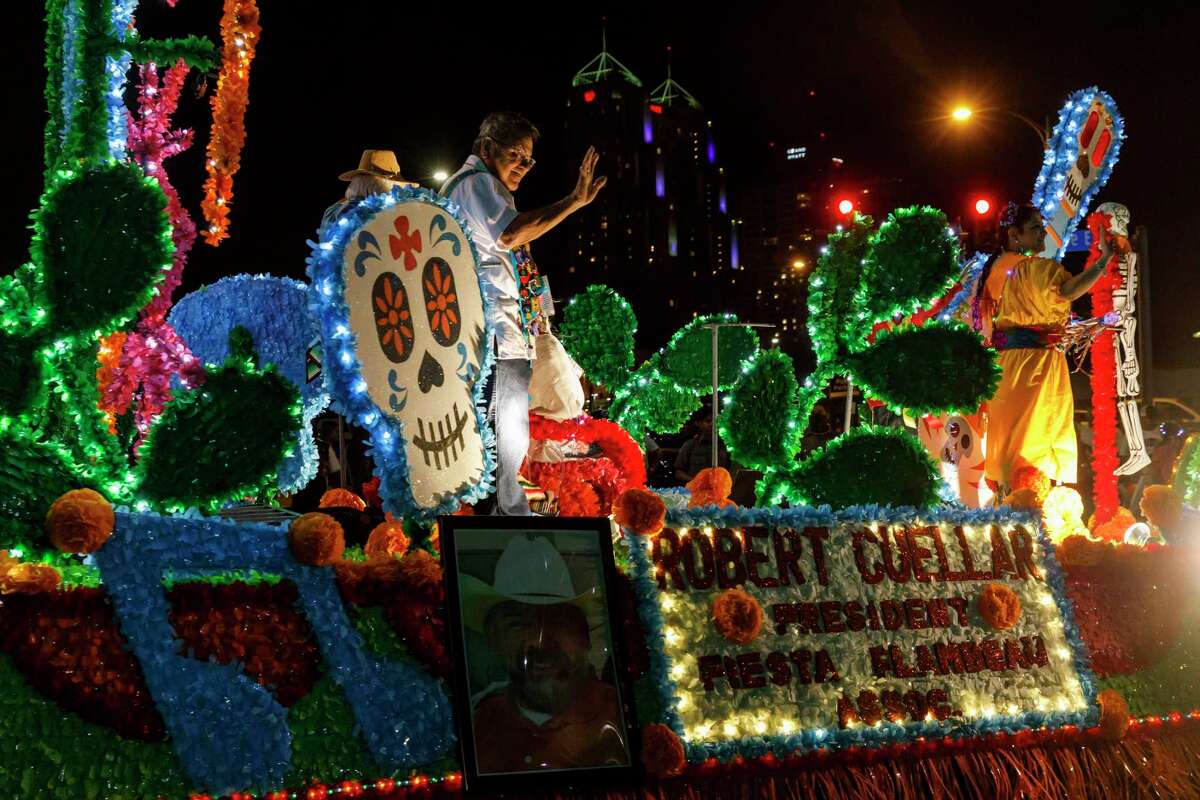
point(712, 152)
point(721, 202)
point(672, 238)
point(734, 255)
point(647, 128)
point(660, 180)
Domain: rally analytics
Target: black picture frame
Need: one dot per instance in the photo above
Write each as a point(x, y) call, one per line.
point(461, 536)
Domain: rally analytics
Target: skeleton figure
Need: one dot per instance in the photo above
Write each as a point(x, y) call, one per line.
point(1128, 370)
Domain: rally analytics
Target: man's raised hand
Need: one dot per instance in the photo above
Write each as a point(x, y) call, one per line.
point(588, 185)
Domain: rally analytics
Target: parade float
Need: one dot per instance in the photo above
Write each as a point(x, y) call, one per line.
point(858, 633)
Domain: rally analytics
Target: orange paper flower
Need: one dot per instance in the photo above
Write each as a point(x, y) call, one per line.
point(316, 539)
point(1025, 500)
point(737, 616)
point(17, 577)
point(1161, 507)
point(640, 511)
point(712, 480)
point(999, 606)
point(1114, 529)
point(387, 540)
point(662, 752)
point(1080, 551)
point(1114, 715)
point(420, 570)
point(1028, 477)
point(80, 521)
point(342, 498)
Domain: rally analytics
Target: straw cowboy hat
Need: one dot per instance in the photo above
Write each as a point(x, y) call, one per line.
point(381, 164)
point(528, 571)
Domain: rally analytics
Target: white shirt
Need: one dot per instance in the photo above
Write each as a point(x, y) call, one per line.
point(488, 208)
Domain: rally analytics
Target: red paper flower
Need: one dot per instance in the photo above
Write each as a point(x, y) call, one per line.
point(662, 752)
point(737, 616)
point(999, 606)
point(1029, 477)
point(640, 511)
point(316, 539)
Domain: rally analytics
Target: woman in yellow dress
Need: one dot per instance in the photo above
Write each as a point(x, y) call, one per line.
point(1023, 304)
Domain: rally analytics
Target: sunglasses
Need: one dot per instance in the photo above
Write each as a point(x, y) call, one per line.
point(516, 154)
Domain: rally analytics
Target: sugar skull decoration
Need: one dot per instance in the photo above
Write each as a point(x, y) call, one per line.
point(1079, 158)
point(405, 341)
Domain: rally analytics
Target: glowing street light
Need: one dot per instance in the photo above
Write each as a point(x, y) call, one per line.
point(440, 175)
point(961, 114)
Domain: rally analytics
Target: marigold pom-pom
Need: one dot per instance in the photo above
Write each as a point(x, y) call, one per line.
point(1114, 715)
point(737, 616)
point(1080, 551)
point(80, 521)
point(1161, 507)
point(1025, 500)
point(17, 577)
point(1028, 477)
point(707, 498)
point(387, 540)
point(316, 539)
point(1114, 529)
point(662, 752)
point(641, 511)
point(999, 606)
point(713, 480)
point(342, 498)
point(420, 570)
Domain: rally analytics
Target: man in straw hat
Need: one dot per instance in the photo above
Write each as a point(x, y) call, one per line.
point(378, 171)
point(483, 190)
point(553, 713)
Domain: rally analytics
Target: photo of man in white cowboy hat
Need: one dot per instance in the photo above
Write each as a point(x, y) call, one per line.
point(378, 172)
point(551, 711)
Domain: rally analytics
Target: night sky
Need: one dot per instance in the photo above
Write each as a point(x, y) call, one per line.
point(331, 79)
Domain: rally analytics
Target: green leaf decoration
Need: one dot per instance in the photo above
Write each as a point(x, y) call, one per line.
point(24, 382)
point(764, 419)
point(868, 465)
point(914, 258)
point(221, 441)
point(941, 367)
point(597, 330)
point(19, 295)
point(32, 476)
point(1186, 477)
point(103, 241)
point(687, 358)
point(650, 403)
point(198, 52)
point(831, 319)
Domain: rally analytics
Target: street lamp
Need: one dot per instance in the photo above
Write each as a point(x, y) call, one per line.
point(440, 175)
point(962, 114)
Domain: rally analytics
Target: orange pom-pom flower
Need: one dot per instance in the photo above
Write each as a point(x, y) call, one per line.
point(662, 752)
point(17, 577)
point(316, 539)
point(640, 511)
point(1114, 529)
point(1080, 551)
point(342, 498)
point(1114, 715)
point(737, 616)
point(999, 606)
point(1028, 477)
point(1024, 500)
point(420, 570)
point(80, 521)
point(387, 540)
point(1161, 507)
point(712, 480)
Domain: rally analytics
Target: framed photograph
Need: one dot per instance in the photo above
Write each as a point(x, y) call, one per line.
point(540, 688)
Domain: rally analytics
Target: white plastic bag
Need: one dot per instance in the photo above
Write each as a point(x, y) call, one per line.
point(555, 391)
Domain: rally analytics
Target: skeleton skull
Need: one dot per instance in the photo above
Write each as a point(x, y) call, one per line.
point(416, 312)
point(1118, 218)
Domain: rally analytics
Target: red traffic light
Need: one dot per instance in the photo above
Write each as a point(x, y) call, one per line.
point(845, 206)
point(589, 95)
point(983, 206)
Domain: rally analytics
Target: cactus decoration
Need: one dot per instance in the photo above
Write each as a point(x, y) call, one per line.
point(102, 244)
point(867, 282)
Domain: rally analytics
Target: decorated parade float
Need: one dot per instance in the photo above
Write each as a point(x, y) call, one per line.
point(865, 630)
